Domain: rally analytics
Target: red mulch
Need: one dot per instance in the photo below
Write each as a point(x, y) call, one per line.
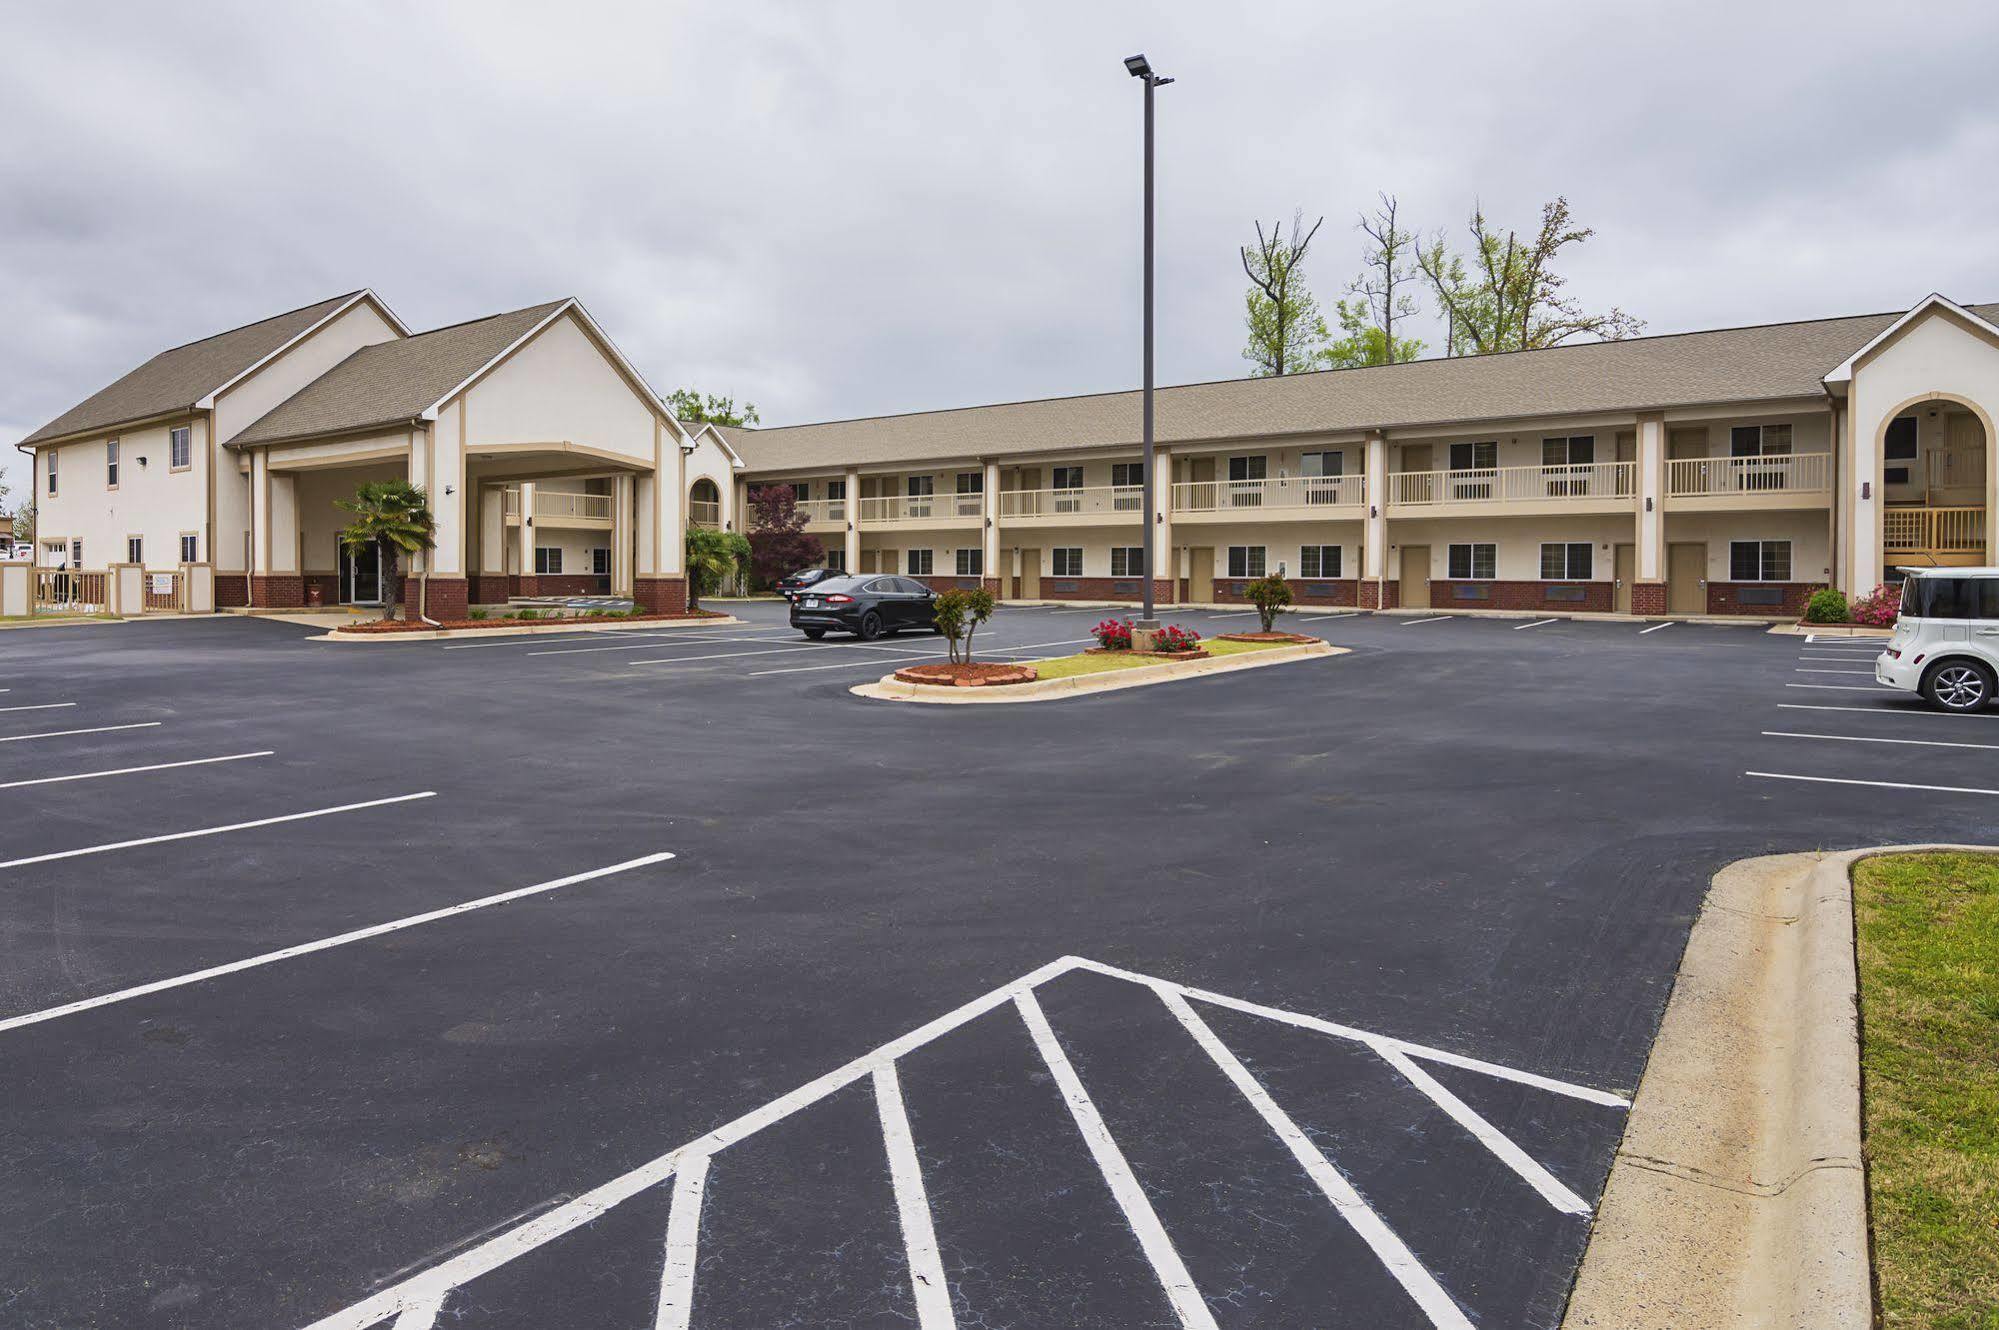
point(419, 626)
point(976, 674)
point(1265, 637)
point(1195, 654)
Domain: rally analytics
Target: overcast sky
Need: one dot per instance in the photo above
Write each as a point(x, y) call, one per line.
point(847, 209)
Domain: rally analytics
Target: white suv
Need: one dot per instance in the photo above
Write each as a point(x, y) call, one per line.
point(1946, 640)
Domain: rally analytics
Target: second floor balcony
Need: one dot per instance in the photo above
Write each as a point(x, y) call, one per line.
point(1574, 487)
point(1295, 497)
point(560, 508)
point(1771, 480)
point(946, 510)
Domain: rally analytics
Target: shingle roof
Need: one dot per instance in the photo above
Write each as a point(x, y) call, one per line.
point(391, 383)
point(1783, 360)
point(175, 380)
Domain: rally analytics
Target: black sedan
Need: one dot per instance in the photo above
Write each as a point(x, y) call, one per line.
point(867, 606)
point(791, 584)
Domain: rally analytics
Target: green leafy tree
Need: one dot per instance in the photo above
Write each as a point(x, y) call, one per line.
point(1272, 596)
point(959, 614)
point(1507, 296)
point(24, 524)
point(691, 407)
point(1382, 295)
point(1285, 326)
point(394, 517)
point(713, 558)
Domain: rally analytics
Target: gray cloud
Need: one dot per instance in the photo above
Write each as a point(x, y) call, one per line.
point(838, 210)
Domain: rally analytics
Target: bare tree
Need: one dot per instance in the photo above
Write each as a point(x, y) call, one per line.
point(1382, 296)
point(1284, 323)
point(1510, 299)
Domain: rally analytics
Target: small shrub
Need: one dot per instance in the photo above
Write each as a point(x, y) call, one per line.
point(1113, 634)
point(1271, 596)
point(1878, 608)
point(478, 614)
point(1173, 639)
point(959, 614)
point(528, 614)
point(1827, 605)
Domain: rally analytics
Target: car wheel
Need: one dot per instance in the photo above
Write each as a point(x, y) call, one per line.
point(871, 626)
point(815, 633)
point(1958, 685)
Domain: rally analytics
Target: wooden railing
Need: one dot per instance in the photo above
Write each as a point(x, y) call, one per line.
point(163, 591)
point(921, 507)
point(823, 512)
point(1208, 496)
point(702, 512)
point(568, 503)
point(1933, 530)
point(1092, 501)
point(1692, 477)
point(1515, 484)
point(71, 590)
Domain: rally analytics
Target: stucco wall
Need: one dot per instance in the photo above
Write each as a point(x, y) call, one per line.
point(152, 501)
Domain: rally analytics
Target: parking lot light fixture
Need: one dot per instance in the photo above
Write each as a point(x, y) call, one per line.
point(1140, 68)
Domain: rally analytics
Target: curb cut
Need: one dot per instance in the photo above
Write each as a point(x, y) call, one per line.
point(889, 689)
point(1738, 1196)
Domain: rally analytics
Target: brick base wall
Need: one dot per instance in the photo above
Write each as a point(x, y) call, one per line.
point(1648, 597)
point(328, 584)
point(1379, 595)
point(554, 584)
point(660, 595)
point(1104, 588)
point(232, 590)
point(1726, 598)
point(1558, 597)
point(443, 598)
point(991, 584)
point(279, 591)
point(490, 588)
point(1304, 591)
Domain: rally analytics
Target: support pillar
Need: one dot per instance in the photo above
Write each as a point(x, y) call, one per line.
point(990, 545)
point(660, 583)
point(623, 546)
point(1165, 579)
point(1648, 592)
point(489, 578)
point(275, 579)
point(852, 509)
point(528, 585)
point(1374, 535)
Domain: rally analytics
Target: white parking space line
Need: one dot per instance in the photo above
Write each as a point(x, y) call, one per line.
point(1110, 1160)
point(1411, 623)
point(543, 639)
point(420, 1317)
point(324, 944)
point(1538, 623)
point(1865, 739)
point(1836, 659)
point(1877, 784)
point(919, 1235)
point(95, 729)
point(851, 664)
point(1897, 712)
point(1845, 687)
point(133, 771)
point(1242, 614)
point(683, 1239)
point(1655, 628)
point(1808, 669)
point(730, 655)
point(41, 706)
point(1322, 618)
point(214, 831)
point(652, 645)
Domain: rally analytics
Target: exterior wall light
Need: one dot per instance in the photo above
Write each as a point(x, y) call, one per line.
point(1648, 503)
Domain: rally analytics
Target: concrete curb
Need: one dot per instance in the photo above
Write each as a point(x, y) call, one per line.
point(889, 689)
point(1738, 1197)
point(576, 624)
point(1832, 630)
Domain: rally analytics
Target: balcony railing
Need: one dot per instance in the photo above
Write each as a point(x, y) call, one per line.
point(1209, 496)
point(1078, 502)
point(823, 512)
point(703, 512)
point(1574, 483)
point(921, 507)
point(559, 504)
point(1700, 477)
point(1933, 530)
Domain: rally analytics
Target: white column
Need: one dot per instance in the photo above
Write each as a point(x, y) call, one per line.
point(853, 533)
point(989, 559)
point(1374, 547)
point(1866, 541)
point(525, 533)
point(643, 505)
point(492, 529)
point(1651, 498)
point(1163, 563)
point(622, 545)
point(260, 511)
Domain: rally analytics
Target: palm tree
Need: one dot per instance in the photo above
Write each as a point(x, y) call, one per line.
point(712, 558)
point(394, 517)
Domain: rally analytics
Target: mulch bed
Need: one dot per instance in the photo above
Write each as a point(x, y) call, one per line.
point(454, 625)
point(1266, 637)
point(975, 674)
point(1146, 655)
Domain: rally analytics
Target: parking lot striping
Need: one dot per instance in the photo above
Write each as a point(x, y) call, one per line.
point(215, 831)
point(1393, 1253)
point(1655, 628)
point(844, 665)
point(1877, 784)
point(420, 1318)
point(427, 1290)
point(1536, 624)
point(133, 771)
point(1806, 669)
point(1411, 623)
point(1110, 1161)
point(727, 655)
point(324, 944)
point(1320, 618)
point(1845, 687)
point(41, 706)
point(919, 1235)
point(95, 729)
point(1240, 614)
point(1864, 739)
point(653, 644)
point(1886, 711)
point(683, 1237)
point(542, 639)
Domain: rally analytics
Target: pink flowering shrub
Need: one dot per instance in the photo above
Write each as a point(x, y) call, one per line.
point(1878, 608)
point(1113, 634)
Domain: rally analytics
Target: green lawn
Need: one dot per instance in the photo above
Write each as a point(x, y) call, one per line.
point(1928, 933)
point(1063, 667)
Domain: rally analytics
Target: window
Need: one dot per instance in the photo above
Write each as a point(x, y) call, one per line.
point(1128, 473)
point(135, 549)
point(971, 563)
point(1128, 561)
point(1247, 468)
point(1762, 441)
point(180, 448)
point(1128, 478)
point(1573, 450)
point(1566, 563)
point(52, 455)
point(1895, 475)
point(920, 487)
point(111, 464)
point(76, 553)
point(1246, 560)
point(1322, 464)
point(836, 559)
point(1481, 456)
point(1473, 562)
point(836, 489)
point(1065, 480)
point(1759, 560)
point(971, 482)
point(190, 547)
point(1068, 560)
point(600, 562)
point(920, 562)
point(547, 560)
point(1902, 444)
point(1246, 475)
point(801, 490)
point(1319, 561)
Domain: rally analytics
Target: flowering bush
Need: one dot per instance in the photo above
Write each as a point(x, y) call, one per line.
point(1878, 608)
point(1113, 634)
point(1173, 639)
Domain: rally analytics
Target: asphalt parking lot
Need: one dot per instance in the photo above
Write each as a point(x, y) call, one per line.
point(655, 980)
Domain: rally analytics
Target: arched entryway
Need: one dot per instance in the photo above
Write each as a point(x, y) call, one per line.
point(1934, 483)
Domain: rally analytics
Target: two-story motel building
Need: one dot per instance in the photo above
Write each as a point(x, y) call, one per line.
point(1723, 472)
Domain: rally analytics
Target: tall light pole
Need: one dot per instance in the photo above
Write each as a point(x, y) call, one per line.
point(1139, 68)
